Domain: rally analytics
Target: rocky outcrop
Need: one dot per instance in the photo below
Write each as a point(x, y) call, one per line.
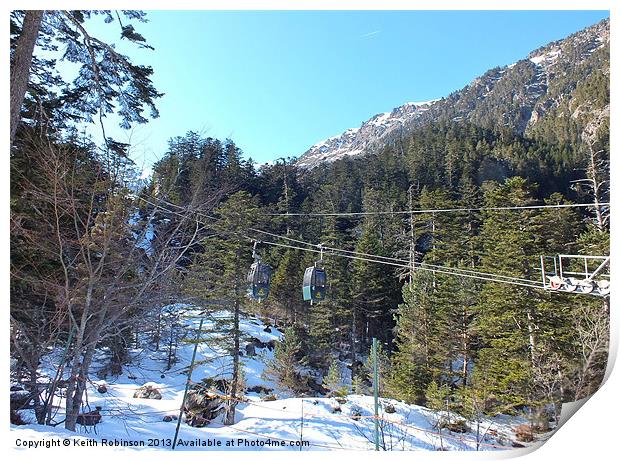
point(371, 134)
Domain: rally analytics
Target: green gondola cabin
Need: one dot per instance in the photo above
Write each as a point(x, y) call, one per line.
point(315, 284)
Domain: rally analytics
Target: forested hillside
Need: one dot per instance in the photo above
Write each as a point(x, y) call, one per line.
point(97, 255)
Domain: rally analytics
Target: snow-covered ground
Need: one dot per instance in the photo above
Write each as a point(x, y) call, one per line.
point(287, 423)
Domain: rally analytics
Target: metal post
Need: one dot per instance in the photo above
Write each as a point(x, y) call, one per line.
point(301, 432)
point(189, 378)
point(375, 384)
point(600, 268)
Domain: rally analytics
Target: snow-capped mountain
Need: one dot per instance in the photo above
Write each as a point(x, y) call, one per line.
point(370, 135)
point(518, 96)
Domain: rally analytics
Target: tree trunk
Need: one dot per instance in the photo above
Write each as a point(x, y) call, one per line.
point(465, 348)
point(20, 67)
point(229, 412)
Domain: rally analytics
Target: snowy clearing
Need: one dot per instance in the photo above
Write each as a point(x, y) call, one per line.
point(286, 423)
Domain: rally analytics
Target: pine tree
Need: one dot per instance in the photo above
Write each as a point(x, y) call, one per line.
point(325, 333)
point(219, 275)
point(285, 294)
point(333, 379)
point(508, 319)
point(412, 362)
point(286, 360)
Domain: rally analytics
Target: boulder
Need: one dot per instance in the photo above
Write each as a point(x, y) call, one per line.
point(250, 350)
point(147, 391)
point(259, 390)
point(316, 387)
point(203, 402)
point(524, 433)
point(201, 407)
point(102, 388)
point(459, 426)
point(258, 344)
point(21, 400)
point(389, 408)
point(17, 419)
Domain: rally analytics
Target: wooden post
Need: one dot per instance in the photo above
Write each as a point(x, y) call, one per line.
point(189, 378)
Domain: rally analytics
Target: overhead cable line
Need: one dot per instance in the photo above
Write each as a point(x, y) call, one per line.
point(442, 210)
point(368, 257)
point(490, 278)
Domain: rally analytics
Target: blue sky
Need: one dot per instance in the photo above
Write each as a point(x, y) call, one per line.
point(278, 82)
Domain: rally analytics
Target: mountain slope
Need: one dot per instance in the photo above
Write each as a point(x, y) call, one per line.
point(365, 138)
point(551, 83)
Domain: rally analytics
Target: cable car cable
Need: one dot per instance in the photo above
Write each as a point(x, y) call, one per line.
point(442, 210)
point(533, 284)
point(439, 269)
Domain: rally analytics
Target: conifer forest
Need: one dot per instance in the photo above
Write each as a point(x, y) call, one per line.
point(471, 243)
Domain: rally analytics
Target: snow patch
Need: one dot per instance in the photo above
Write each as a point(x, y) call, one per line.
point(548, 57)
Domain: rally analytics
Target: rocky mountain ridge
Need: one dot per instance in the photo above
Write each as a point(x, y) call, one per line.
point(518, 96)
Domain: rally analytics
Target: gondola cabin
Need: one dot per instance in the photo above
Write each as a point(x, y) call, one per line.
point(315, 284)
point(259, 279)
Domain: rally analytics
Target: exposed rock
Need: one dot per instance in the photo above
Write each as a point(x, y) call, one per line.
point(389, 408)
point(20, 400)
point(260, 390)
point(17, 419)
point(91, 418)
point(355, 141)
point(459, 426)
point(316, 387)
point(102, 388)
point(524, 433)
point(147, 392)
point(201, 407)
point(250, 350)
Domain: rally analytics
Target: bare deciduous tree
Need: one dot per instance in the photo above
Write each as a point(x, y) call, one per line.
point(110, 269)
